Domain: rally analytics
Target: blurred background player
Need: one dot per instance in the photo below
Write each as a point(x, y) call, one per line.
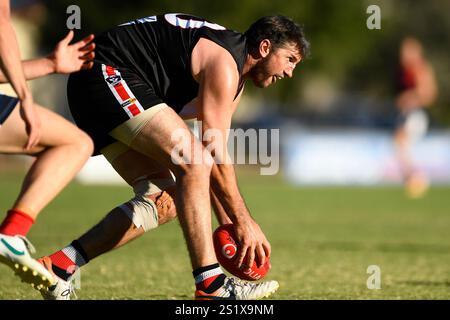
point(417, 91)
point(60, 148)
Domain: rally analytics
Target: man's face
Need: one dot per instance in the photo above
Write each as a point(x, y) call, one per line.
point(279, 63)
point(411, 53)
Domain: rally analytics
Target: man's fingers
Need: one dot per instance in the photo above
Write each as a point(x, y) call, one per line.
point(68, 37)
point(260, 252)
point(35, 142)
point(89, 38)
point(84, 41)
point(88, 56)
point(241, 256)
point(267, 248)
point(87, 65)
point(32, 141)
point(251, 257)
point(28, 143)
point(88, 47)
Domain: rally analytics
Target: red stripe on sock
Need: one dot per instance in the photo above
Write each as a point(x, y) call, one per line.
point(205, 283)
point(16, 223)
point(62, 261)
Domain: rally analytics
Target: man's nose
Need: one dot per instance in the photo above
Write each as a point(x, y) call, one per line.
point(288, 72)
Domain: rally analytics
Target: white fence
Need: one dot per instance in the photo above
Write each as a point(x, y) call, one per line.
point(359, 157)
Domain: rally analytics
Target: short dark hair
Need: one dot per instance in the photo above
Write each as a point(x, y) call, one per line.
point(280, 30)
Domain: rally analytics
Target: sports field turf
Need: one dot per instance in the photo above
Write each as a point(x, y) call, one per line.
point(323, 240)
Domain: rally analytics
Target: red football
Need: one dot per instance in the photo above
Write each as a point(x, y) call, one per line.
point(226, 248)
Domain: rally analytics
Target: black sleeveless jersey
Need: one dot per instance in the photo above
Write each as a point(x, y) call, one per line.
point(158, 49)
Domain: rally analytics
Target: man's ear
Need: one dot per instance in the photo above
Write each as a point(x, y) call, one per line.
point(265, 46)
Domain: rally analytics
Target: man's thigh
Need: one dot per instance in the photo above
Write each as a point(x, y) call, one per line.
point(55, 131)
point(160, 138)
point(132, 165)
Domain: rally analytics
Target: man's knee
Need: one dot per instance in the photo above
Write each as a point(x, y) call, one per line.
point(153, 203)
point(85, 145)
point(199, 165)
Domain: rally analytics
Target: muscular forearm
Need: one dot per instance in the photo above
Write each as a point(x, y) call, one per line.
point(34, 68)
point(220, 212)
point(225, 189)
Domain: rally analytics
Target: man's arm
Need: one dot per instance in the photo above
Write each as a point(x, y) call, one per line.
point(64, 59)
point(218, 83)
point(219, 211)
point(190, 111)
point(12, 68)
point(216, 203)
point(33, 69)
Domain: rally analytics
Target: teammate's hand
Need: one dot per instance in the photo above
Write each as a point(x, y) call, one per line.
point(68, 58)
point(253, 242)
point(32, 122)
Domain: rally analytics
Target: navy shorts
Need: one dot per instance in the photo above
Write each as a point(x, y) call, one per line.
point(7, 105)
point(104, 97)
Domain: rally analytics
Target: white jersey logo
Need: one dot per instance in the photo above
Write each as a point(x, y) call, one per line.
point(176, 21)
point(142, 20)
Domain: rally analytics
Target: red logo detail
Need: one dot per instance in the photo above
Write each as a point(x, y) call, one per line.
point(229, 250)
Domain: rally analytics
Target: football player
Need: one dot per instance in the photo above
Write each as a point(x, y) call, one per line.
point(148, 74)
point(417, 91)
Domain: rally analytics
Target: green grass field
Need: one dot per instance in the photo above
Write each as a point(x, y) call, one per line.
point(323, 240)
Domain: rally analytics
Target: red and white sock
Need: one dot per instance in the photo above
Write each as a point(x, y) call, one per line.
point(66, 261)
point(209, 278)
point(16, 223)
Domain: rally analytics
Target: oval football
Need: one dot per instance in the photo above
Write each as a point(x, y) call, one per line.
point(227, 248)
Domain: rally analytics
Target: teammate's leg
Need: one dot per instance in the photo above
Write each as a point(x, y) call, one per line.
point(61, 152)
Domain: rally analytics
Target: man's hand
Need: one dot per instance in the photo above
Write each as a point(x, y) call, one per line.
point(32, 122)
point(253, 244)
point(68, 58)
